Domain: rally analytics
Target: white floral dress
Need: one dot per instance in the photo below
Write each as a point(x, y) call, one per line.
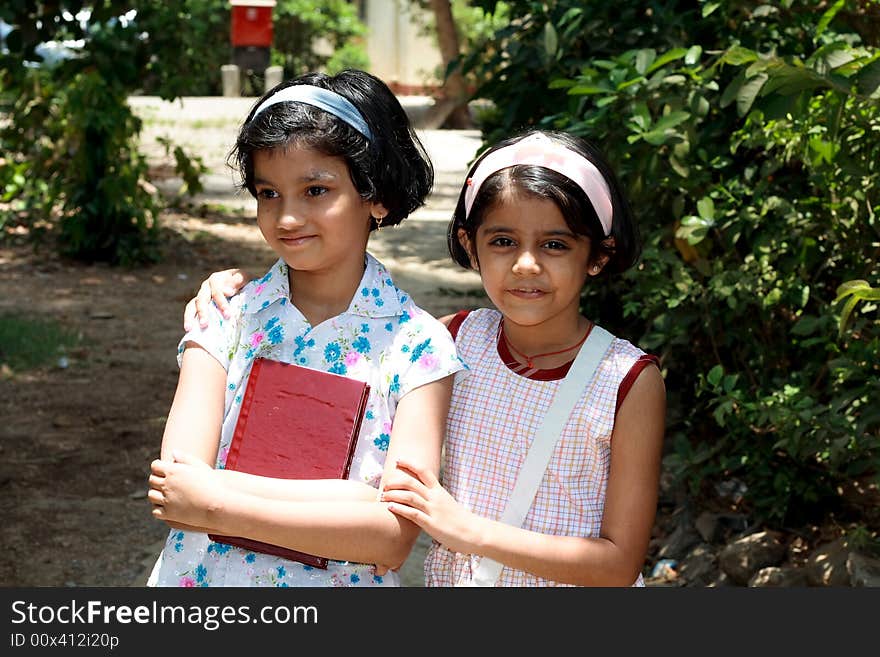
point(383, 338)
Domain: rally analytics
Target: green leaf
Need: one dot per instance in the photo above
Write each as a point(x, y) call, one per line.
point(739, 56)
point(709, 8)
point(693, 55)
point(715, 374)
point(586, 90)
point(748, 92)
point(551, 40)
point(665, 58)
point(644, 58)
point(827, 17)
point(868, 79)
point(845, 314)
point(806, 325)
point(706, 208)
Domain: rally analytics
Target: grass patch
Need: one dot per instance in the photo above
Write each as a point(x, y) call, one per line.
point(27, 342)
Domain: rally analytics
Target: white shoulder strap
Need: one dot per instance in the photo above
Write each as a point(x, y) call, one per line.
point(532, 472)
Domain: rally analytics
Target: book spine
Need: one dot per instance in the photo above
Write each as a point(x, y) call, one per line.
point(244, 411)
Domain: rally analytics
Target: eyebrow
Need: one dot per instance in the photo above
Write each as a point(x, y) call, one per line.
point(494, 230)
point(315, 175)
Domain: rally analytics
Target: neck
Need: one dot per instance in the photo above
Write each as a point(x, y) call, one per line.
point(320, 295)
point(545, 345)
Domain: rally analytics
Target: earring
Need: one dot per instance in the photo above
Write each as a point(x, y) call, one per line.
point(595, 269)
point(379, 221)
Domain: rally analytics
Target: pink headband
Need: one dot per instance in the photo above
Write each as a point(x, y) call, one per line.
point(542, 151)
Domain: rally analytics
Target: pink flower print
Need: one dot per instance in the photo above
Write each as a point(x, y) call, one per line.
point(429, 362)
point(259, 288)
point(224, 453)
point(257, 338)
point(351, 358)
point(386, 428)
point(187, 582)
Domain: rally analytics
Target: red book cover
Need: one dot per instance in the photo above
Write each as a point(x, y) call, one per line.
point(295, 423)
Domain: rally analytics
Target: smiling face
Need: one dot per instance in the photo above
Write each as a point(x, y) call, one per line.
point(532, 265)
point(309, 211)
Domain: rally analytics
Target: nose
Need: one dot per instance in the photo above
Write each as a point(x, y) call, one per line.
point(289, 217)
point(526, 263)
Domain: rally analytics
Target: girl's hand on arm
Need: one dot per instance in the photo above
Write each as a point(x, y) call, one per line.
point(415, 493)
point(416, 439)
point(217, 288)
point(186, 491)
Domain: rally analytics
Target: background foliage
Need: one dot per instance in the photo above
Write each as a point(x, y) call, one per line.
point(748, 136)
point(71, 156)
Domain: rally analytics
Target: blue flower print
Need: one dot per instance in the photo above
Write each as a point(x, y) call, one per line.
point(281, 571)
point(276, 334)
point(232, 386)
point(395, 384)
point(365, 328)
point(375, 292)
point(301, 345)
point(362, 345)
point(282, 585)
point(422, 347)
point(380, 302)
point(382, 442)
point(250, 558)
point(365, 292)
point(264, 304)
point(265, 278)
point(354, 578)
point(339, 368)
point(389, 327)
point(201, 573)
point(219, 548)
point(403, 298)
point(369, 415)
point(332, 352)
point(404, 317)
point(378, 579)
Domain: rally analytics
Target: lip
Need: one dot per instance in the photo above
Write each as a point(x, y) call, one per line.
point(526, 292)
point(295, 240)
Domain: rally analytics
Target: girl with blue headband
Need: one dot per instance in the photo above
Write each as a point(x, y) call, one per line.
point(554, 438)
point(329, 159)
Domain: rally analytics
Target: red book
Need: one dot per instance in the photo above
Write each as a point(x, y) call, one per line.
point(295, 423)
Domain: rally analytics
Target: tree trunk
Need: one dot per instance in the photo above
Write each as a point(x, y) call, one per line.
point(450, 108)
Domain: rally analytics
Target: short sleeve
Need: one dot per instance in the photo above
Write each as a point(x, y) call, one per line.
point(217, 338)
point(423, 351)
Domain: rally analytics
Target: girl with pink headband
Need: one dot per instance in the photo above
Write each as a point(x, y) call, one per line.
point(554, 437)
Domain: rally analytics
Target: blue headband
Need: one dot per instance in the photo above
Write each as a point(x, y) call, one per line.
point(327, 100)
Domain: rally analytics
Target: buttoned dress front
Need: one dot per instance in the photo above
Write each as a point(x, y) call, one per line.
point(383, 338)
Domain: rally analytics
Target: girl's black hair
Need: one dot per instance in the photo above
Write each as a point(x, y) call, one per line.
point(392, 169)
point(540, 182)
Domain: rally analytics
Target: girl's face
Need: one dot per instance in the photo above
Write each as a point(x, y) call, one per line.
point(309, 211)
point(532, 265)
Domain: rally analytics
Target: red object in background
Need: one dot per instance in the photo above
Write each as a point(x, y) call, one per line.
point(252, 23)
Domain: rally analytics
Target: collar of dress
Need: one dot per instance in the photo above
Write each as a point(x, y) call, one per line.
point(376, 296)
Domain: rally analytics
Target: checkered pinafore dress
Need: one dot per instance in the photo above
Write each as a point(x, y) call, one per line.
point(493, 416)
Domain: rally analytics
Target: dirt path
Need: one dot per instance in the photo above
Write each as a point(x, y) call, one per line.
point(76, 442)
